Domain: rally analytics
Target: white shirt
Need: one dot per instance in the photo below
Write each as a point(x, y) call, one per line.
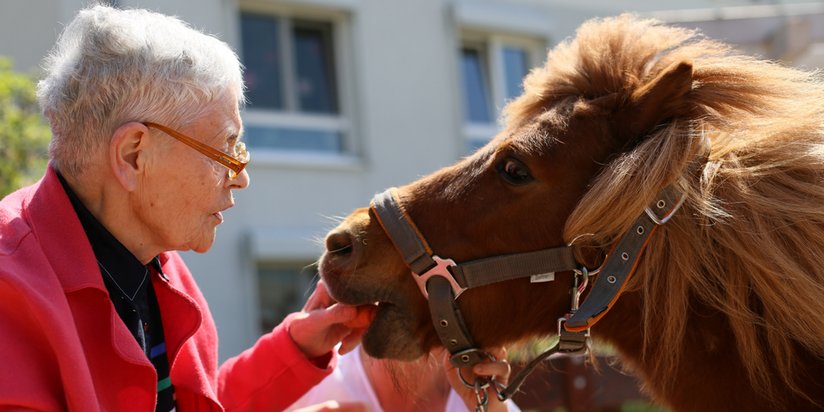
point(349, 383)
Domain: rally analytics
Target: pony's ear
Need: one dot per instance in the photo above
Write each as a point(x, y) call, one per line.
point(653, 103)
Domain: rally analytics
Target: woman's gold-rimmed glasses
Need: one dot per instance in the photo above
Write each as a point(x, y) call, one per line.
point(235, 163)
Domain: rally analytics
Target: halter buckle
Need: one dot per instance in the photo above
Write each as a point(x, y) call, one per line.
point(441, 268)
point(572, 343)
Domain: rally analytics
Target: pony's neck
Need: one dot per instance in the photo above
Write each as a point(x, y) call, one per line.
point(709, 374)
point(710, 347)
point(622, 327)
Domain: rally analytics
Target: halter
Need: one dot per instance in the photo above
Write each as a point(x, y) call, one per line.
point(442, 280)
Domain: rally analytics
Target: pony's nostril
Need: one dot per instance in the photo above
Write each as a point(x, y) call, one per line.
point(339, 243)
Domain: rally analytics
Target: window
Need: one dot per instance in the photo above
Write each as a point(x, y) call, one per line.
point(474, 64)
point(282, 289)
point(492, 68)
point(292, 84)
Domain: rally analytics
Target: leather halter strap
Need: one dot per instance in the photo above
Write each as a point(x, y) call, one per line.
point(419, 256)
point(622, 261)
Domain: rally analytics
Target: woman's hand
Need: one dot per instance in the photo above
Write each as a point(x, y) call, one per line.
point(499, 369)
point(321, 324)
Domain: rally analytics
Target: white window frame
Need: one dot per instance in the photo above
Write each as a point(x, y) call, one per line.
point(342, 122)
point(494, 50)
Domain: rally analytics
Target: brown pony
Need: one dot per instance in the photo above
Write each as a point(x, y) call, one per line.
point(726, 308)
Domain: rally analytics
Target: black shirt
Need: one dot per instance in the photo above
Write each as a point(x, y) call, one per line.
point(132, 294)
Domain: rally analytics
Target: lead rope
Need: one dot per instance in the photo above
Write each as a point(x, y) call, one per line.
point(481, 397)
point(571, 343)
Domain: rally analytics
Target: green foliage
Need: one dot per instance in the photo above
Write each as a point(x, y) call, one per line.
point(639, 406)
point(24, 134)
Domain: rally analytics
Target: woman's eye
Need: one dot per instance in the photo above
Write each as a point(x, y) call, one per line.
point(514, 171)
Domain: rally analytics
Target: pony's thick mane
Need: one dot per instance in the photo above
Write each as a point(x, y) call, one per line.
point(749, 241)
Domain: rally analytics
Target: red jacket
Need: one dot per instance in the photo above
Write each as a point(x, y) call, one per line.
point(64, 347)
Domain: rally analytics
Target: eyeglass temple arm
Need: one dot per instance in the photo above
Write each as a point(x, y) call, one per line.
point(214, 154)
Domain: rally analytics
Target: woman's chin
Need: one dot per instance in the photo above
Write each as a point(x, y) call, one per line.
point(203, 243)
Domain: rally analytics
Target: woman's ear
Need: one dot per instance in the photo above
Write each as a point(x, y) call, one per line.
point(127, 153)
point(654, 103)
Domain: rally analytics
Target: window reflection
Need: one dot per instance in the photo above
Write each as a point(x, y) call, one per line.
point(261, 56)
point(314, 62)
point(476, 86)
point(515, 68)
point(492, 68)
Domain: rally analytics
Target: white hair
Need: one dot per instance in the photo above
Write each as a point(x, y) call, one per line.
point(113, 66)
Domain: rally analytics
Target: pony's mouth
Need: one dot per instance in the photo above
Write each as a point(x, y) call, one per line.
point(383, 312)
point(393, 331)
point(392, 334)
point(379, 310)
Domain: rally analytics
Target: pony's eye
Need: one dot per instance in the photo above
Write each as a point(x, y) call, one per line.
point(514, 171)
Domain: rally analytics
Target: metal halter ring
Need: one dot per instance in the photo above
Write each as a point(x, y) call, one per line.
point(584, 270)
point(589, 272)
point(484, 382)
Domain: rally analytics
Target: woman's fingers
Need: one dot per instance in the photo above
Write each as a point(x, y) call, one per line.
point(351, 341)
point(499, 369)
point(318, 331)
point(319, 298)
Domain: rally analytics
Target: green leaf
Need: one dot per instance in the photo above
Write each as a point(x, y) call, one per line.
point(24, 133)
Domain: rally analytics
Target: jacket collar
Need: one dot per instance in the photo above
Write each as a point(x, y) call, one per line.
point(61, 235)
point(55, 223)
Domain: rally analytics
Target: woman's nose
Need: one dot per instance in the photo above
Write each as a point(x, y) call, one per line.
point(241, 181)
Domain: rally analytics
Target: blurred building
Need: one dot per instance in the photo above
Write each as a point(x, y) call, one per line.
point(348, 97)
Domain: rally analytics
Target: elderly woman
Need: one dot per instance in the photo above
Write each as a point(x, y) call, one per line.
point(97, 311)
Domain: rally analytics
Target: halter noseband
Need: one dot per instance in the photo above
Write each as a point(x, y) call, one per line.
point(442, 281)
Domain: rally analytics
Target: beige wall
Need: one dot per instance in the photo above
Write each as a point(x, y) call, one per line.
point(27, 31)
